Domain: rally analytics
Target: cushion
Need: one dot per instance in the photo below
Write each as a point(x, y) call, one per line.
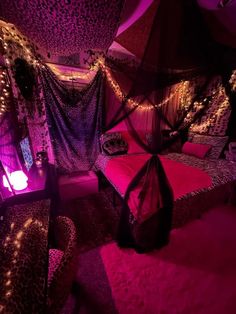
point(113, 144)
point(197, 150)
point(217, 142)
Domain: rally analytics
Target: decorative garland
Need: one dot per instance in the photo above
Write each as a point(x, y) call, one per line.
point(24, 65)
point(4, 92)
point(232, 81)
point(181, 89)
point(218, 111)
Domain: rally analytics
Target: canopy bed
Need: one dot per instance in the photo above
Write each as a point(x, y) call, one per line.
point(197, 184)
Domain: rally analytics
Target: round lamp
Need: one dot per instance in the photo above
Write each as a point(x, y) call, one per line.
point(18, 180)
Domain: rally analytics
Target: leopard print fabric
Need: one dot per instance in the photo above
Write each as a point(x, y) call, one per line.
point(62, 277)
point(65, 27)
point(55, 257)
point(24, 252)
point(216, 117)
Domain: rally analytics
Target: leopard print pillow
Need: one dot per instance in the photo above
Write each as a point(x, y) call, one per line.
point(217, 142)
point(113, 144)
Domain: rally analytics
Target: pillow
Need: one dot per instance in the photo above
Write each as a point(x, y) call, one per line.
point(217, 142)
point(197, 150)
point(113, 144)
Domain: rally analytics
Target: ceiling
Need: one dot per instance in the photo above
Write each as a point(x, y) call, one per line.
point(64, 29)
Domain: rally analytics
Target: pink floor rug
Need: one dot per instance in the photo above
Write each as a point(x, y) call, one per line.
point(194, 274)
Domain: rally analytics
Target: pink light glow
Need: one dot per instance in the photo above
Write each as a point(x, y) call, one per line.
point(18, 180)
point(142, 6)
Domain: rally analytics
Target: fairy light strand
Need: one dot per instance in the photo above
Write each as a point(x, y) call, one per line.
point(232, 80)
point(76, 74)
point(16, 240)
point(132, 103)
point(223, 104)
point(4, 92)
point(11, 40)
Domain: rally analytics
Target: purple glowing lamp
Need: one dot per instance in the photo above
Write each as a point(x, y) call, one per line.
point(18, 180)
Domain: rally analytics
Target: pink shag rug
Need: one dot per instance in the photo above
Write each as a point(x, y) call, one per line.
point(194, 274)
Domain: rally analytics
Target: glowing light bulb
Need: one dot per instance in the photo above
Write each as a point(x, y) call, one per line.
point(18, 180)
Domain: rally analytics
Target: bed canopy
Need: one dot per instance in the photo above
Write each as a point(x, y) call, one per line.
point(159, 95)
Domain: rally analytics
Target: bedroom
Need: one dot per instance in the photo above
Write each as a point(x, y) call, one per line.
point(131, 116)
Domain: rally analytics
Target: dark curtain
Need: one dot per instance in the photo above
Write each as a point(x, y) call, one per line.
point(74, 119)
point(8, 150)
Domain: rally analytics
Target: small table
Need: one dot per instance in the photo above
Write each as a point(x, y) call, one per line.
point(40, 185)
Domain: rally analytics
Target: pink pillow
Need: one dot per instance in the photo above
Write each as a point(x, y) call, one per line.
point(197, 150)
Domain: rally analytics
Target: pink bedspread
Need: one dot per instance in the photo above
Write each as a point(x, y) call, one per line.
point(183, 180)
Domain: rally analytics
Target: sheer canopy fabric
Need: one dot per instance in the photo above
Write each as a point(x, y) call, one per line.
point(147, 90)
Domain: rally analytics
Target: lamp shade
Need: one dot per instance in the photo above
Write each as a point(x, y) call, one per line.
point(18, 180)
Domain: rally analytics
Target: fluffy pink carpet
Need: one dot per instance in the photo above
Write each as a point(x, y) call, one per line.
point(194, 274)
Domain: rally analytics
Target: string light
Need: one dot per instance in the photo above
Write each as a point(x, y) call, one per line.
point(17, 244)
point(11, 35)
point(223, 104)
point(232, 80)
point(13, 40)
point(186, 95)
point(4, 92)
point(181, 89)
point(76, 74)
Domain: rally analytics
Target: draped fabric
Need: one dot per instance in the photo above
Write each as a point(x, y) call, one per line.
point(8, 151)
point(74, 119)
point(147, 90)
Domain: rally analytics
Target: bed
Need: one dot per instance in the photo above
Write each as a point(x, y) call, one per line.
point(197, 184)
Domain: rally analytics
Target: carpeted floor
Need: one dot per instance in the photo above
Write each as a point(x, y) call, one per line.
point(95, 218)
point(194, 274)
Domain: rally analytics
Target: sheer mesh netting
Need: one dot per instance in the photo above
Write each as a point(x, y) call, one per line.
point(157, 100)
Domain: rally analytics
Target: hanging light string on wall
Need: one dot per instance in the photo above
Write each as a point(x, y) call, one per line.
point(13, 45)
point(219, 95)
point(77, 75)
point(4, 91)
point(232, 80)
point(181, 90)
point(11, 40)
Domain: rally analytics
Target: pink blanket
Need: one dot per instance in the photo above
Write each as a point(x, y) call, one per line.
point(183, 180)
